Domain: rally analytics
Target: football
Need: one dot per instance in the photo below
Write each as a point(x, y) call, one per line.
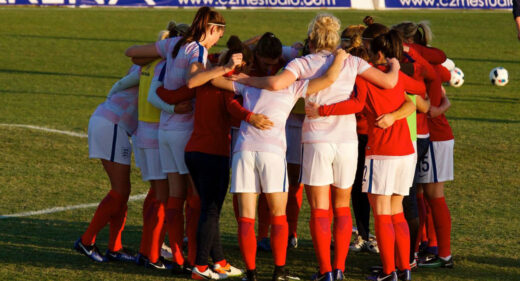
point(457, 77)
point(499, 76)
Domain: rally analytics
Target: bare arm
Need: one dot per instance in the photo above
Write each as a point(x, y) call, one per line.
point(423, 105)
point(198, 76)
point(441, 109)
point(386, 120)
point(253, 40)
point(142, 61)
point(142, 51)
point(223, 83)
point(272, 83)
point(324, 81)
point(381, 79)
point(517, 20)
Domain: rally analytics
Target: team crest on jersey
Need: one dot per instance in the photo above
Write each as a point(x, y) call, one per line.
point(125, 152)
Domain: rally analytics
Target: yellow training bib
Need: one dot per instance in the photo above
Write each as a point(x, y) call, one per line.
point(147, 112)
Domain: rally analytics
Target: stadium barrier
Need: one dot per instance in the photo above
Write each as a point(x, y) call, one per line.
point(338, 4)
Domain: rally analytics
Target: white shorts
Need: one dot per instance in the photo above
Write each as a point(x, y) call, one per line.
point(258, 172)
point(234, 138)
point(150, 163)
point(108, 141)
point(171, 148)
point(389, 176)
point(437, 165)
point(294, 144)
point(134, 148)
point(329, 163)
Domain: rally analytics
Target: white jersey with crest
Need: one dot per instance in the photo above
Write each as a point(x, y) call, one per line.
point(330, 129)
point(274, 104)
point(177, 75)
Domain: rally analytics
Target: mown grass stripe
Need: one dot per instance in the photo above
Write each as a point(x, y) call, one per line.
point(62, 209)
point(33, 127)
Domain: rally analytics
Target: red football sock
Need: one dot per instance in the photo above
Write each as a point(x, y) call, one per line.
point(163, 233)
point(150, 198)
point(331, 210)
point(342, 231)
point(109, 206)
point(430, 227)
point(117, 224)
point(402, 241)
point(247, 241)
point(294, 204)
point(442, 220)
point(279, 234)
point(175, 226)
point(263, 217)
point(321, 237)
point(422, 235)
point(145, 235)
point(192, 223)
point(235, 207)
point(385, 236)
point(155, 229)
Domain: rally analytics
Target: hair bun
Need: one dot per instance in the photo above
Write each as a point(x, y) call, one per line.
point(368, 20)
point(171, 25)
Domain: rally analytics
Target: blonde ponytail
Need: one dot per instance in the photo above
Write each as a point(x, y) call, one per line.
point(427, 31)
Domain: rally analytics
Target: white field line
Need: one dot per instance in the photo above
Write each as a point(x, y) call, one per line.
point(67, 208)
point(68, 133)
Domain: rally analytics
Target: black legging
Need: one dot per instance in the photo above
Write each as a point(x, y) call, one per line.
point(210, 174)
point(359, 199)
point(411, 211)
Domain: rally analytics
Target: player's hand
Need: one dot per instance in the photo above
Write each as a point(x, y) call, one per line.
point(297, 45)
point(260, 121)
point(238, 76)
point(406, 49)
point(234, 60)
point(312, 110)
point(183, 107)
point(394, 63)
point(384, 121)
point(341, 54)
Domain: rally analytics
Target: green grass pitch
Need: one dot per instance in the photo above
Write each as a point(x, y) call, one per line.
point(57, 65)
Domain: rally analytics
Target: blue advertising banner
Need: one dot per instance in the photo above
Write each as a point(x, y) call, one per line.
point(191, 3)
point(450, 4)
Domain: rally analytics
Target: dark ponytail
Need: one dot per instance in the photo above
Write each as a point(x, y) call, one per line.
point(175, 29)
point(268, 46)
point(373, 29)
point(389, 44)
point(204, 17)
point(235, 46)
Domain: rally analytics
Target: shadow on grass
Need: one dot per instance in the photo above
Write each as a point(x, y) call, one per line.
point(31, 36)
point(485, 60)
point(44, 243)
point(17, 71)
point(485, 99)
point(503, 121)
point(48, 244)
point(50, 94)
